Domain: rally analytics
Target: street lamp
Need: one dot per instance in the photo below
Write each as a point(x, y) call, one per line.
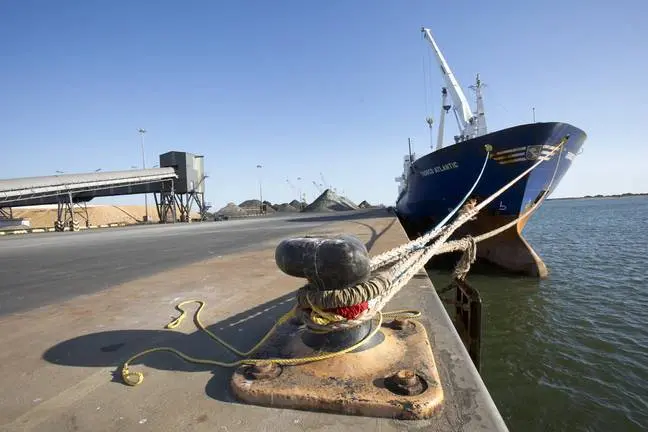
point(142, 132)
point(260, 189)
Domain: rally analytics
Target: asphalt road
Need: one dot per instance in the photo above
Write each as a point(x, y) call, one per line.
point(41, 269)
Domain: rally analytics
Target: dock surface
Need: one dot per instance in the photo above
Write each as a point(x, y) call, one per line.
point(92, 299)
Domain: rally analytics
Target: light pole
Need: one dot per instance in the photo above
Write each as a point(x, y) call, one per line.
point(299, 190)
point(260, 189)
point(142, 132)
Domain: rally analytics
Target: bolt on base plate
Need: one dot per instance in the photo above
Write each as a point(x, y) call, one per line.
point(397, 378)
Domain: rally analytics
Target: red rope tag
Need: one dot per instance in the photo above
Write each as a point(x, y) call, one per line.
point(350, 312)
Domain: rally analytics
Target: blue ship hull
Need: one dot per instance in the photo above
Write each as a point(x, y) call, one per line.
point(439, 180)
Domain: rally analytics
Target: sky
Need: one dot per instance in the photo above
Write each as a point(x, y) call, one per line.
point(307, 87)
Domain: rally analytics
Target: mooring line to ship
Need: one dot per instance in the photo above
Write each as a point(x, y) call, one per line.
point(378, 291)
point(445, 220)
point(385, 258)
point(451, 245)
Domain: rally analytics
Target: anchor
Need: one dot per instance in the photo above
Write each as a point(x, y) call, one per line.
point(360, 365)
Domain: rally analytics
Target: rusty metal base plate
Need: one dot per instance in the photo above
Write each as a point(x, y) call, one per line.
point(356, 383)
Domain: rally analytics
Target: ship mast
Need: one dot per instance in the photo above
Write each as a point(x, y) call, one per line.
point(480, 125)
point(444, 110)
point(470, 125)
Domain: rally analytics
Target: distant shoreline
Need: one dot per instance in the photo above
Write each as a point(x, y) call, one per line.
point(623, 195)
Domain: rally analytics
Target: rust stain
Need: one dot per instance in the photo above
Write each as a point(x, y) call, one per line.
point(353, 383)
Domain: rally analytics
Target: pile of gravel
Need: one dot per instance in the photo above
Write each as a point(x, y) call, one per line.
point(330, 201)
point(231, 210)
point(250, 204)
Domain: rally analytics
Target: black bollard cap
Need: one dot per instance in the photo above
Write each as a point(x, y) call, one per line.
point(327, 262)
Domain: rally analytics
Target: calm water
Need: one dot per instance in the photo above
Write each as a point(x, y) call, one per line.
point(571, 352)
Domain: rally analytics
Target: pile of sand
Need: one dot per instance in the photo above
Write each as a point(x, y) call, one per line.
point(330, 201)
point(44, 216)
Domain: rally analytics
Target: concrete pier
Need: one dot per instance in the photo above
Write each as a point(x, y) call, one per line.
point(106, 295)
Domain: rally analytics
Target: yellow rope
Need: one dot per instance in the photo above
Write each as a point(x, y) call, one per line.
point(134, 378)
point(176, 322)
point(321, 317)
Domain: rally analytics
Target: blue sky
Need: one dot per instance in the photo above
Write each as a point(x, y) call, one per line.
point(303, 87)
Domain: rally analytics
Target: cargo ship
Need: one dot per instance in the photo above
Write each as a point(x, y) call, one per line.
point(432, 185)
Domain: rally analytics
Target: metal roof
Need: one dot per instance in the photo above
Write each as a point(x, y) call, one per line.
point(33, 187)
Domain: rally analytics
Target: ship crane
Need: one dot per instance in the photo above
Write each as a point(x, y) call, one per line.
point(430, 122)
point(470, 124)
point(324, 182)
point(318, 187)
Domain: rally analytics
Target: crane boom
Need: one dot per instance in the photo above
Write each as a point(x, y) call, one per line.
point(324, 182)
point(461, 106)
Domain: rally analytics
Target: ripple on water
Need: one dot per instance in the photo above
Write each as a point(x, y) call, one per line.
point(575, 344)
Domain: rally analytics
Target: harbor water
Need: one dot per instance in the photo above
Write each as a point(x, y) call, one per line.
point(570, 353)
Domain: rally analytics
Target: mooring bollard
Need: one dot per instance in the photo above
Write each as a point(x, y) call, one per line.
point(316, 367)
point(328, 263)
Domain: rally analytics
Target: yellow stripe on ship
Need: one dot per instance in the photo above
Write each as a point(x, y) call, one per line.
point(509, 156)
point(503, 152)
